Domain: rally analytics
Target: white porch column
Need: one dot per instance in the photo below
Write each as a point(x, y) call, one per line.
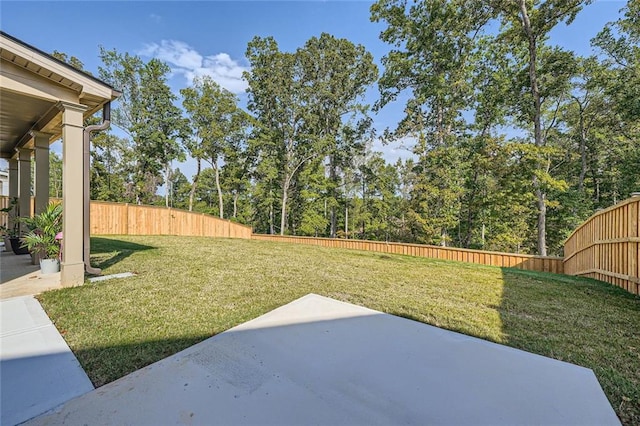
point(41, 142)
point(13, 185)
point(72, 194)
point(24, 182)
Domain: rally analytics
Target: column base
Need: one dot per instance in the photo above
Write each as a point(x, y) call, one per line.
point(72, 274)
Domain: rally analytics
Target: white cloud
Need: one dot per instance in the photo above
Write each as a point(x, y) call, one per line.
point(175, 53)
point(155, 18)
point(184, 59)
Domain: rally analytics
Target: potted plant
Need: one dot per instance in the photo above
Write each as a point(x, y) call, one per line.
point(42, 239)
point(33, 226)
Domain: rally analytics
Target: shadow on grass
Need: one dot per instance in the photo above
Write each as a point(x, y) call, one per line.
point(104, 364)
point(578, 320)
point(106, 252)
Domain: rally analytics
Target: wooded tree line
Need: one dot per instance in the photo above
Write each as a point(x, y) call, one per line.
point(515, 141)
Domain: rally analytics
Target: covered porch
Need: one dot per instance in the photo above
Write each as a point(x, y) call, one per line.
point(44, 100)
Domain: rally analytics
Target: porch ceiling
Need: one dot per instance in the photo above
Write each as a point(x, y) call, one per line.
point(32, 84)
point(18, 114)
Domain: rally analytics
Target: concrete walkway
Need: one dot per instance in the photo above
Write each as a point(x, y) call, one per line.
point(38, 371)
point(320, 361)
point(18, 277)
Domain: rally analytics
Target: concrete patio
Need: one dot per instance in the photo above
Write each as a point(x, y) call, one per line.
point(320, 361)
point(18, 277)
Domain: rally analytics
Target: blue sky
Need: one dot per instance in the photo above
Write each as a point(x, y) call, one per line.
point(210, 37)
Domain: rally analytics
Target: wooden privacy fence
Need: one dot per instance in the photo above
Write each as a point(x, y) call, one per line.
point(521, 261)
point(131, 219)
point(607, 246)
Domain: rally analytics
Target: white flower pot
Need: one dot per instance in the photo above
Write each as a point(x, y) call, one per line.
point(49, 266)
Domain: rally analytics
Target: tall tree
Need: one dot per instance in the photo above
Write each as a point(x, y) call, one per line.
point(146, 112)
point(110, 167)
point(430, 64)
point(265, 176)
point(338, 74)
point(529, 23)
point(303, 100)
point(619, 42)
point(219, 126)
point(279, 96)
point(438, 48)
point(236, 176)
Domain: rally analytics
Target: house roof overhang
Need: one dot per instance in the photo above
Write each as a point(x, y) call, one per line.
point(33, 84)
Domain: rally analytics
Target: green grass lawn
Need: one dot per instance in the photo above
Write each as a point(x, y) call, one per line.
point(188, 289)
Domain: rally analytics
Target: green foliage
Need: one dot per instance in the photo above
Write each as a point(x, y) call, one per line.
point(434, 45)
point(309, 214)
point(146, 111)
point(178, 190)
point(279, 98)
point(620, 43)
point(339, 72)
point(55, 175)
point(71, 60)
point(450, 64)
point(43, 229)
point(303, 101)
point(219, 135)
point(515, 141)
point(111, 168)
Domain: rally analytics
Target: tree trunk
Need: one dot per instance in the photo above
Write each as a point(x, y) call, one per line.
point(537, 127)
point(471, 213)
point(285, 198)
point(346, 221)
point(583, 152)
point(443, 238)
point(235, 204)
point(542, 220)
point(332, 178)
point(167, 172)
point(364, 206)
point(218, 188)
point(271, 230)
point(334, 222)
point(192, 193)
point(283, 211)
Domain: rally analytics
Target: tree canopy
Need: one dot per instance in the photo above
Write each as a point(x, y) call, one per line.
point(515, 140)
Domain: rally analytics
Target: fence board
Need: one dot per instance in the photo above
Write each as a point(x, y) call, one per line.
point(521, 261)
point(128, 219)
point(607, 246)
